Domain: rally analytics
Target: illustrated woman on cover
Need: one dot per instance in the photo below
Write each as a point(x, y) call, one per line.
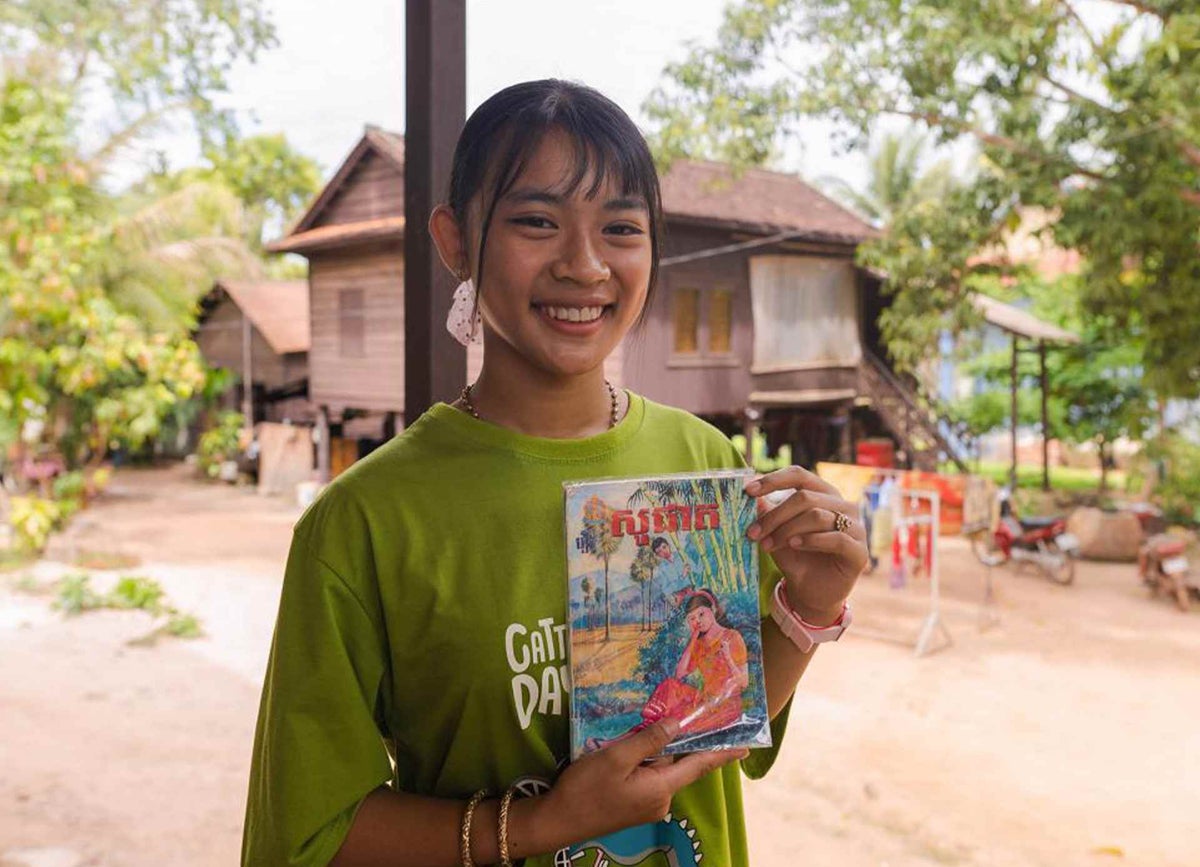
point(716, 652)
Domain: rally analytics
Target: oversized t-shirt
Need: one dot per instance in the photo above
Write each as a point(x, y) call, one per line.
point(422, 638)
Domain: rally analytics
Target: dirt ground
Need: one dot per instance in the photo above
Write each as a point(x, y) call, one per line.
point(1062, 728)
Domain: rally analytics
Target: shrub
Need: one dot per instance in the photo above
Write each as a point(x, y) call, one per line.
point(75, 595)
point(69, 486)
point(220, 443)
point(33, 519)
point(134, 592)
point(1176, 460)
point(182, 625)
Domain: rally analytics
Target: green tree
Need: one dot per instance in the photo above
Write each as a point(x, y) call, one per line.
point(166, 247)
point(1097, 392)
point(895, 179)
point(151, 61)
point(75, 372)
point(272, 179)
point(1091, 116)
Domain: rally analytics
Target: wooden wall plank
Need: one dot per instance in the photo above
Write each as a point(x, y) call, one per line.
point(375, 380)
point(375, 189)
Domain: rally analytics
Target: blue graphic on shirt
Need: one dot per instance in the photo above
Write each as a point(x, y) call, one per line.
point(669, 843)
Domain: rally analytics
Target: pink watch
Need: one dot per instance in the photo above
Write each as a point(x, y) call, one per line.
point(804, 635)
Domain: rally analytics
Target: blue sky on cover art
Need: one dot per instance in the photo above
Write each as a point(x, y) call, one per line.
point(340, 66)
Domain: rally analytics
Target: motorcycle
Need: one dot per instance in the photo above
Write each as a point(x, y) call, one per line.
point(1044, 542)
point(1163, 567)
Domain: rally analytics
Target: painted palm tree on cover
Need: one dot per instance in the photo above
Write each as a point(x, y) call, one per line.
point(642, 572)
point(596, 538)
point(725, 557)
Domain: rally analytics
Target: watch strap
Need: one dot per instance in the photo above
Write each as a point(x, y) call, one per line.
point(801, 633)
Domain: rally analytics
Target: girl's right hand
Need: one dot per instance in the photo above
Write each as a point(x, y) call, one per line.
point(611, 789)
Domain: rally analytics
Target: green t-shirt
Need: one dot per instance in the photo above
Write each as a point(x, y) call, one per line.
point(423, 623)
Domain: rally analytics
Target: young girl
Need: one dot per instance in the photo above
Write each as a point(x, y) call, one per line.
point(414, 710)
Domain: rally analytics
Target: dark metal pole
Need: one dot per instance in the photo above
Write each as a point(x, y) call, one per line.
point(1012, 472)
point(435, 366)
point(1045, 419)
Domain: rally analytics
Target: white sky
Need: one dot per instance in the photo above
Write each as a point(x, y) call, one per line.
point(339, 66)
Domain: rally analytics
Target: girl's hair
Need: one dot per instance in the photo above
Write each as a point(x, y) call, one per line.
point(705, 597)
point(500, 137)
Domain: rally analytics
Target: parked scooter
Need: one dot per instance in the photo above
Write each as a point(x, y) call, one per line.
point(1044, 542)
point(1163, 567)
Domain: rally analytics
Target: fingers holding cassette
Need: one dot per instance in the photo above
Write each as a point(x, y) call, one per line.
point(802, 513)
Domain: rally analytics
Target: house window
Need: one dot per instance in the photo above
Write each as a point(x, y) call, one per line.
point(720, 321)
point(702, 322)
point(685, 321)
point(805, 313)
point(351, 323)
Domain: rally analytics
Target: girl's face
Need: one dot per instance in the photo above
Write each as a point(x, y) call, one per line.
point(700, 619)
point(565, 277)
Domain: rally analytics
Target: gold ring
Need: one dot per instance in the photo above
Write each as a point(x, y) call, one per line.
point(841, 523)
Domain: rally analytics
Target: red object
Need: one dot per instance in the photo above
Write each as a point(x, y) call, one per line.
point(876, 453)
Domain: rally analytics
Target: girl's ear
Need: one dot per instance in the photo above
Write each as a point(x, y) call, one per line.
point(450, 242)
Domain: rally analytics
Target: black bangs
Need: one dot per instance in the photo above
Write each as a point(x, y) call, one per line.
point(501, 136)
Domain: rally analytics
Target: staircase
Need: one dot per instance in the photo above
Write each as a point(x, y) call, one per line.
point(915, 419)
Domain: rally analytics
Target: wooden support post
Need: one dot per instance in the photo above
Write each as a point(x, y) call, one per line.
point(1012, 473)
point(435, 109)
point(1045, 418)
point(323, 445)
point(750, 417)
point(247, 373)
point(845, 445)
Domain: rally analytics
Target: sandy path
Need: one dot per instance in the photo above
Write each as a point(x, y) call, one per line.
point(1067, 734)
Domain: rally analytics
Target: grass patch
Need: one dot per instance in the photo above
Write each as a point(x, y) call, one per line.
point(1071, 479)
point(11, 559)
point(182, 625)
point(104, 560)
point(28, 583)
point(134, 592)
point(75, 595)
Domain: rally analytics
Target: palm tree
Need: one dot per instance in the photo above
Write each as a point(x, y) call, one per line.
point(165, 247)
point(586, 585)
point(642, 571)
point(606, 545)
point(596, 538)
point(895, 180)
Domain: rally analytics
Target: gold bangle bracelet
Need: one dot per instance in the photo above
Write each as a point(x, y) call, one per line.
point(468, 814)
point(502, 831)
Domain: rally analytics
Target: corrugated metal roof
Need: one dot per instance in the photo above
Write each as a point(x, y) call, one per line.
point(277, 308)
point(338, 234)
point(757, 200)
point(1016, 321)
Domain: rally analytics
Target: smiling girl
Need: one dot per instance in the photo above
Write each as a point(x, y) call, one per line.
point(416, 685)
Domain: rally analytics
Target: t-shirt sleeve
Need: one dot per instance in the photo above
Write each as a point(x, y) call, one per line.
point(318, 750)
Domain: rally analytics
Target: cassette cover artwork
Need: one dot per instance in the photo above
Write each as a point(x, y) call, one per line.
point(664, 613)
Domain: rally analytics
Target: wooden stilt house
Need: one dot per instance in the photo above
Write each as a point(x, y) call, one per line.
point(761, 319)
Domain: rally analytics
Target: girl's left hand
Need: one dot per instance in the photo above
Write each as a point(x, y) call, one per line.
point(820, 562)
